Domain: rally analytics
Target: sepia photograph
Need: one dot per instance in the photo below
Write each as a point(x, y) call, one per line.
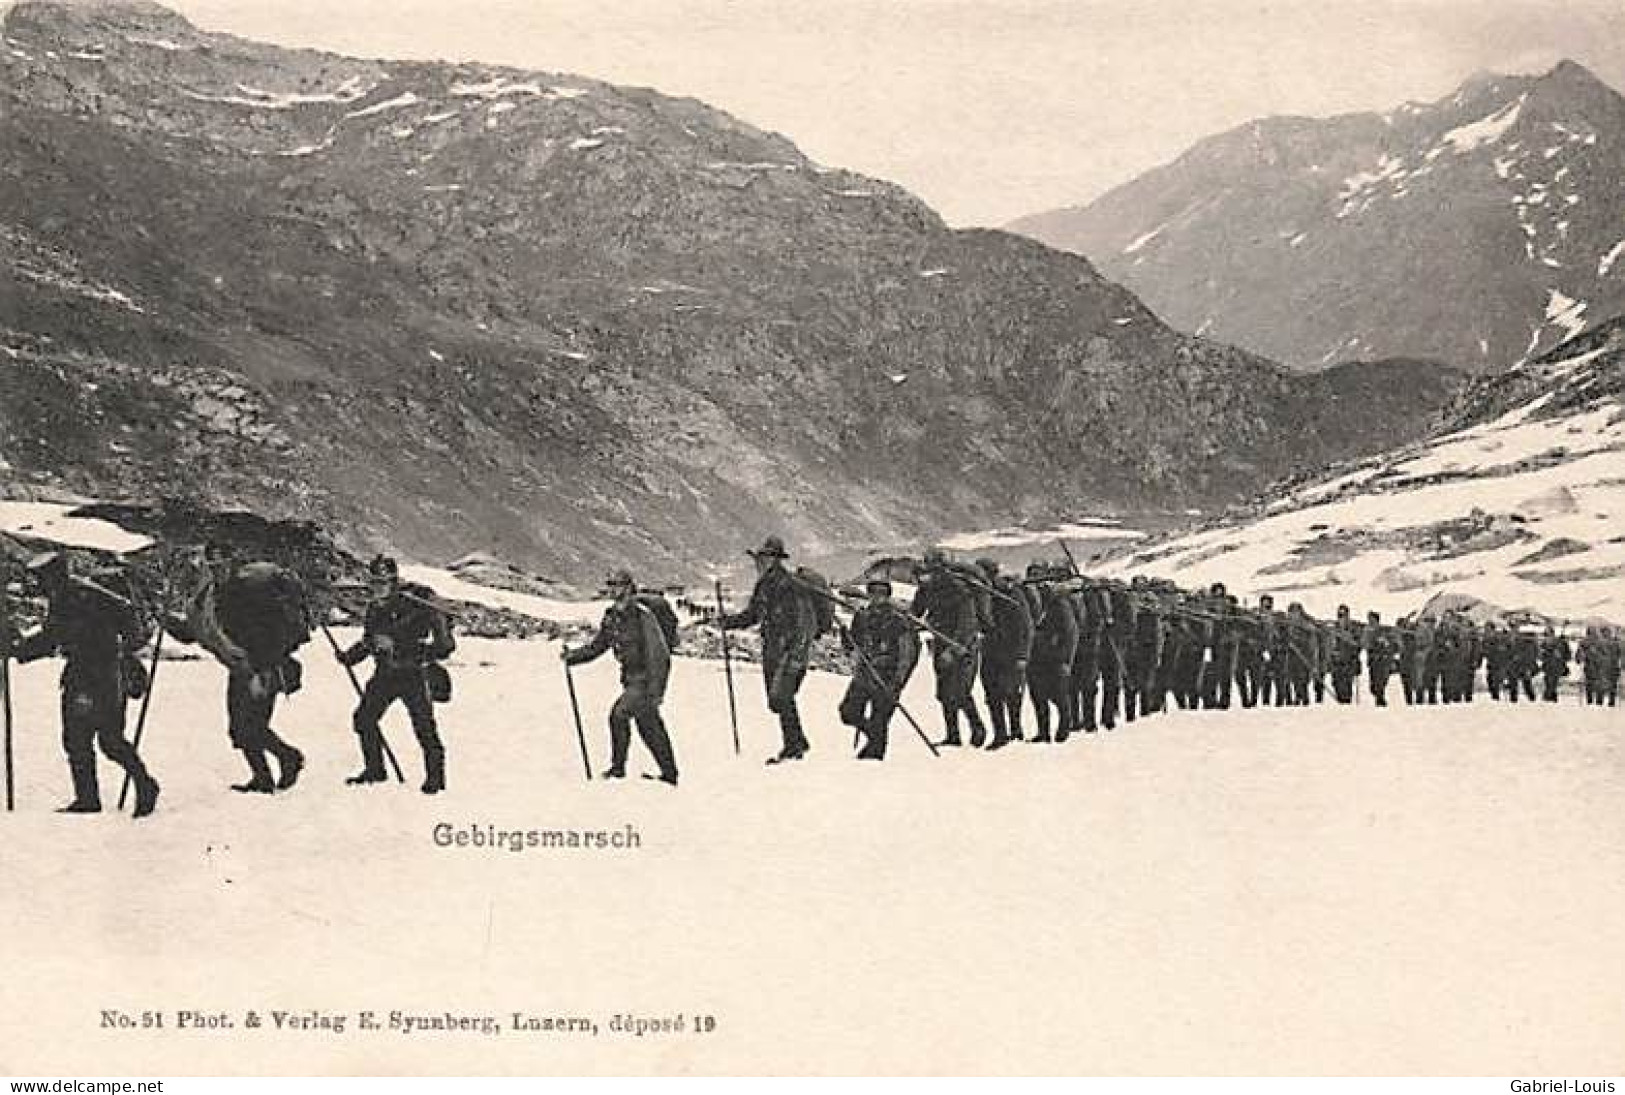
point(742, 538)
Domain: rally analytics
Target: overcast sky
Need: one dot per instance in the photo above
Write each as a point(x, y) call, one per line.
point(988, 109)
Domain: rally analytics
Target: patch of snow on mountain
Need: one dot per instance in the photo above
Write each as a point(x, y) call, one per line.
point(1606, 264)
point(1140, 241)
point(1566, 313)
point(54, 522)
point(1485, 131)
point(403, 100)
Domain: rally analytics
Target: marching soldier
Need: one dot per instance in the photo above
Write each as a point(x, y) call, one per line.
point(886, 647)
point(404, 633)
point(97, 633)
point(1004, 657)
point(1496, 647)
point(949, 606)
point(789, 623)
point(1523, 662)
point(630, 629)
point(1085, 678)
point(1554, 662)
point(1300, 661)
point(251, 618)
point(1055, 644)
point(1381, 655)
point(1345, 643)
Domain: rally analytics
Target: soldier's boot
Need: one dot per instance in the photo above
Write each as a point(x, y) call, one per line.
point(1014, 717)
point(434, 771)
point(950, 724)
point(372, 760)
point(998, 714)
point(259, 768)
point(290, 762)
point(87, 792)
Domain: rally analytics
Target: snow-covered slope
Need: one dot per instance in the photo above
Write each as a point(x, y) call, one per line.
point(1522, 506)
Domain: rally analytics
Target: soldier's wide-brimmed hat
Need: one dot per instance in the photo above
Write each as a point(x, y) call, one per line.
point(772, 548)
point(619, 578)
point(382, 566)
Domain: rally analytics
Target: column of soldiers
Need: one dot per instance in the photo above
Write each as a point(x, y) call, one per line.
point(1088, 653)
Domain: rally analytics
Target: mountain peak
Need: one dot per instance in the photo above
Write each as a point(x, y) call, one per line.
point(63, 14)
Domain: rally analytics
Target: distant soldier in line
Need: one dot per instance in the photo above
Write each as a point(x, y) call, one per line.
point(1225, 645)
point(1122, 639)
point(955, 611)
point(1005, 655)
point(1344, 658)
point(251, 617)
point(1301, 660)
point(404, 633)
point(1381, 654)
point(1554, 662)
point(632, 630)
point(1473, 657)
point(1085, 692)
point(886, 646)
point(1272, 649)
point(1607, 658)
point(98, 633)
point(1055, 642)
point(1523, 662)
point(1449, 659)
point(1424, 672)
point(789, 621)
point(1497, 648)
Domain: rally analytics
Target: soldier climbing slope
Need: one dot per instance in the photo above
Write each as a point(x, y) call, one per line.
point(405, 634)
point(1004, 659)
point(958, 611)
point(788, 617)
point(97, 633)
point(885, 649)
point(251, 618)
point(634, 631)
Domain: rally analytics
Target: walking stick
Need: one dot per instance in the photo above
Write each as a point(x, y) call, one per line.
point(728, 669)
point(899, 701)
point(575, 709)
point(152, 686)
point(5, 689)
point(349, 670)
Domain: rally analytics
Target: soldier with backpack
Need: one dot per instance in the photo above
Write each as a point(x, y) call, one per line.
point(957, 607)
point(251, 617)
point(789, 611)
point(405, 634)
point(1004, 662)
point(96, 631)
point(886, 647)
point(1055, 644)
point(642, 637)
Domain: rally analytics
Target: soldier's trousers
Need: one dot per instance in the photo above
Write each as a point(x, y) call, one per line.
point(248, 723)
point(384, 689)
point(1084, 691)
point(1049, 688)
point(1343, 678)
point(1494, 677)
point(1249, 670)
point(1112, 685)
point(956, 677)
point(1378, 678)
point(638, 704)
point(1518, 681)
point(1004, 682)
point(1297, 686)
point(92, 716)
point(1549, 681)
point(1220, 675)
point(867, 707)
point(782, 674)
